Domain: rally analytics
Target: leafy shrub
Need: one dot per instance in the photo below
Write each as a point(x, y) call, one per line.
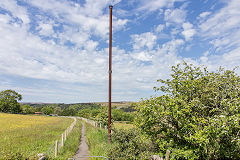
point(129, 145)
point(197, 117)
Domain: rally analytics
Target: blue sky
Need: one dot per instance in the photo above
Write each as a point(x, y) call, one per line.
point(57, 50)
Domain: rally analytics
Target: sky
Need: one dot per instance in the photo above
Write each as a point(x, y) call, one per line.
point(56, 51)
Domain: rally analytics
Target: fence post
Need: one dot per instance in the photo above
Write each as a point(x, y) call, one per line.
point(62, 140)
point(65, 135)
point(167, 155)
point(56, 148)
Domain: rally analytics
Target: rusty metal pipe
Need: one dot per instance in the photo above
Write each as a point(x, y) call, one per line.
point(110, 74)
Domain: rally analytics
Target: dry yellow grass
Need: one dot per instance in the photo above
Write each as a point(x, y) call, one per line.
point(25, 136)
point(13, 121)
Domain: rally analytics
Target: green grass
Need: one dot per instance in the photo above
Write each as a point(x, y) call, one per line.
point(118, 125)
point(97, 141)
point(24, 136)
point(72, 142)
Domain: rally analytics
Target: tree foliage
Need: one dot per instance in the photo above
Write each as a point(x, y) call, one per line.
point(130, 145)
point(9, 101)
point(197, 117)
point(47, 110)
point(26, 109)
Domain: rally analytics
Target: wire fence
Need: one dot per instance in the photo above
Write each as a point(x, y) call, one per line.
point(59, 143)
point(94, 123)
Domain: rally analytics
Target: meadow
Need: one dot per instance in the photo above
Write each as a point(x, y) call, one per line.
point(119, 125)
point(24, 136)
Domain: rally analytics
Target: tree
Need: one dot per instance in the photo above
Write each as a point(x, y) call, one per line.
point(198, 115)
point(9, 101)
point(57, 110)
point(120, 115)
point(47, 110)
point(26, 109)
point(68, 112)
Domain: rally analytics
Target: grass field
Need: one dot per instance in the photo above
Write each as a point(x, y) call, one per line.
point(24, 136)
point(118, 125)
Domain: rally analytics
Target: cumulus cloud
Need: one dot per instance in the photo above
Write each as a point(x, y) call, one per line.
point(153, 5)
point(88, 17)
point(72, 60)
point(142, 56)
point(16, 10)
point(188, 31)
point(45, 29)
point(147, 40)
point(159, 28)
point(177, 16)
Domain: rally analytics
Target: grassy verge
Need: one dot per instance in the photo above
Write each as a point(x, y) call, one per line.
point(72, 142)
point(24, 136)
point(97, 141)
point(118, 125)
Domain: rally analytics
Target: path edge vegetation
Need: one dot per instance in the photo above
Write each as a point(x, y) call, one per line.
point(72, 142)
point(96, 140)
point(196, 116)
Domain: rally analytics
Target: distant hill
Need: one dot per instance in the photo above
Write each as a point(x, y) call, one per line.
point(121, 104)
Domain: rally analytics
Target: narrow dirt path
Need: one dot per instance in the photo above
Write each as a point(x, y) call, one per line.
point(83, 147)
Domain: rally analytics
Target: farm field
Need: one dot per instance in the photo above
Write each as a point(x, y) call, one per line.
point(24, 136)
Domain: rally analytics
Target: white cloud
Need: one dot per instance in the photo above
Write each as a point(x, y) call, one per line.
point(45, 29)
point(159, 28)
point(25, 54)
point(188, 31)
point(223, 21)
point(147, 39)
point(222, 28)
point(204, 14)
point(142, 56)
point(88, 17)
point(177, 16)
point(16, 10)
point(153, 5)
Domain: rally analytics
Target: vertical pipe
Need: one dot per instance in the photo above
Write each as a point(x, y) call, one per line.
point(110, 74)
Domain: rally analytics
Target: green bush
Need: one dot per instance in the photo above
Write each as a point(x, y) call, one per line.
point(117, 115)
point(26, 109)
point(130, 145)
point(198, 115)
